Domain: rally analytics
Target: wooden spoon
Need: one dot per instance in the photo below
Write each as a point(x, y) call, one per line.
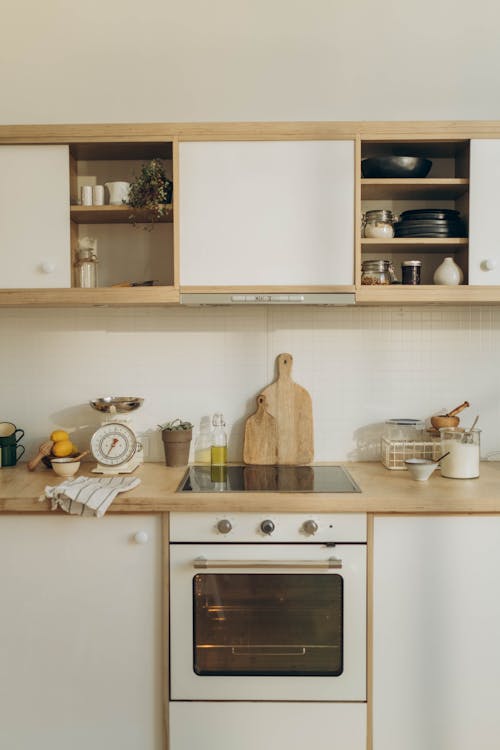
point(43, 450)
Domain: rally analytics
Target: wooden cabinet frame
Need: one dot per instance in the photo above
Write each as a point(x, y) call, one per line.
point(124, 139)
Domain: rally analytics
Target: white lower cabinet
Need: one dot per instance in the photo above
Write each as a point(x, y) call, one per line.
point(436, 668)
point(80, 633)
point(266, 726)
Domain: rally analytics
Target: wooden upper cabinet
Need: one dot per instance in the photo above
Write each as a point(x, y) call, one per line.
point(34, 217)
point(266, 213)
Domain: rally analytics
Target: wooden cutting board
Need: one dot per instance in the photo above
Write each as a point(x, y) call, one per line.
point(290, 406)
point(261, 436)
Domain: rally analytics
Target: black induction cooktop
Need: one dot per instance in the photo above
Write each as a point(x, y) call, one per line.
point(243, 478)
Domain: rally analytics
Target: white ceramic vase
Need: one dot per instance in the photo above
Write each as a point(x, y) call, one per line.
point(448, 273)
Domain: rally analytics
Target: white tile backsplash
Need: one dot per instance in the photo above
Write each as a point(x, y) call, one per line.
point(360, 365)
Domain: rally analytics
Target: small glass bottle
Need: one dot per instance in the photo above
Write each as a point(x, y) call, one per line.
point(203, 444)
point(218, 452)
point(86, 268)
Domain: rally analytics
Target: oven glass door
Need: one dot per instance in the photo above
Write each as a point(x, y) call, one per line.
point(268, 624)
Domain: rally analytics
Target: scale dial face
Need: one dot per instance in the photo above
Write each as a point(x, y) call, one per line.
point(113, 444)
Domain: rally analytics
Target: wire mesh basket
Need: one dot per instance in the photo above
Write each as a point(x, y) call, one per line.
point(395, 452)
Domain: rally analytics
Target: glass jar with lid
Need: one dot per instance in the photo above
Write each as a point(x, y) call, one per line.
point(378, 224)
point(86, 268)
point(377, 272)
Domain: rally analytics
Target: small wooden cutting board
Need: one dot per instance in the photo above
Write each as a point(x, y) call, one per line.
point(290, 406)
point(261, 436)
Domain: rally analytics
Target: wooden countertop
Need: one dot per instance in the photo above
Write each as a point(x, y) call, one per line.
point(383, 491)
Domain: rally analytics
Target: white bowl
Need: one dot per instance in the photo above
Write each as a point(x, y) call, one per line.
point(65, 467)
point(420, 468)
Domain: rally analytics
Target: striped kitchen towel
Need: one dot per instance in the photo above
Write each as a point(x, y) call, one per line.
point(88, 496)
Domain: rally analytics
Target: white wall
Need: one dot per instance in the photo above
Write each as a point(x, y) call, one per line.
point(160, 60)
point(361, 366)
point(190, 60)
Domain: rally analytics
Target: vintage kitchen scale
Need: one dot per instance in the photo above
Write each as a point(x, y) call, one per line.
point(114, 444)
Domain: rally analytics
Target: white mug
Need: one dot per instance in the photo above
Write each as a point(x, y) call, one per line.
point(98, 195)
point(86, 195)
point(118, 192)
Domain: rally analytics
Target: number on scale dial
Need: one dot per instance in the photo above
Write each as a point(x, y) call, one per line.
point(113, 444)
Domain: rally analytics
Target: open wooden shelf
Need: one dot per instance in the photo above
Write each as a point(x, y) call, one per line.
point(414, 189)
point(114, 215)
point(400, 294)
point(422, 244)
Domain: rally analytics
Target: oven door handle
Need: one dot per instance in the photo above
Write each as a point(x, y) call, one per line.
point(202, 563)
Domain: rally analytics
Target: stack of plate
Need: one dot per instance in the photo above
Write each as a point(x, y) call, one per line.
point(430, 222)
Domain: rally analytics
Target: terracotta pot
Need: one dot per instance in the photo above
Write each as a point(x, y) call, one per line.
point(176, 444)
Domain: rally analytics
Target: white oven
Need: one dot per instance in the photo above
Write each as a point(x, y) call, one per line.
point(267, 607)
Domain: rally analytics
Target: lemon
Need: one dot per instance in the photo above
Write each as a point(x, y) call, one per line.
point(59, 435)
point(62, 448)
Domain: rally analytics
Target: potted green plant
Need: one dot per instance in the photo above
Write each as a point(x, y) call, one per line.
point(176, 436)
point(150, 192)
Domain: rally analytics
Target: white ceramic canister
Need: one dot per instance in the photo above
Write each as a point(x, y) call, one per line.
point(448, 273)
point(463, 459)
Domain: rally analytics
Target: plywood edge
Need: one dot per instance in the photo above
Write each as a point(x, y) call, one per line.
point(445, 130)
point(160, 295)
point(428, 294)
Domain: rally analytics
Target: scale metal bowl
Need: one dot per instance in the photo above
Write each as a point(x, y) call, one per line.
point(116, 404)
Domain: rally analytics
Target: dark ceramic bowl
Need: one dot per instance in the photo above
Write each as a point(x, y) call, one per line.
point(395, 166)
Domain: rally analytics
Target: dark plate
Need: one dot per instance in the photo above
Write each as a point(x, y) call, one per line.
point(430, 213)
point(395, 166)
point(429, 224)
point(429, 233)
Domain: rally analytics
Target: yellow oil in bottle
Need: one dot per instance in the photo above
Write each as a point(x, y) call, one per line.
point(218, 455)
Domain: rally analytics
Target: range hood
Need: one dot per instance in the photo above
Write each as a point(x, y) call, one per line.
point(267, 298)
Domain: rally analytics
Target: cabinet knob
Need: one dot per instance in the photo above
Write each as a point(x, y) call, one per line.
point(141, 537)
point(47, 266)
point(489, 264)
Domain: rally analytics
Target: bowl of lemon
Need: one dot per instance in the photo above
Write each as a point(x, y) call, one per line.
point(62, 448)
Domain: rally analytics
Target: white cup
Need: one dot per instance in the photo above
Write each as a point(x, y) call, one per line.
point(118, 192)
point(98, 195)
point(86, 195)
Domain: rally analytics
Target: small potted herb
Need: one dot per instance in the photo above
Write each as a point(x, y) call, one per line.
point(150, 192)
point(176, 436)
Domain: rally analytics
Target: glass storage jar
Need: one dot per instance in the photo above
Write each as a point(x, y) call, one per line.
point(86, 268)
point(378, 224)
point(410, 272)
point(377, 272)
point(462, 446)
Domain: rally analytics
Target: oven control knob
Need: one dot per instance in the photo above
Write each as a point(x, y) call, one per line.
point(267, 526)
point(224, 526)
point(310, 527)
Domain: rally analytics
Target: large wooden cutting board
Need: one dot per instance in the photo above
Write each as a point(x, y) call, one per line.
point(290, 406)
